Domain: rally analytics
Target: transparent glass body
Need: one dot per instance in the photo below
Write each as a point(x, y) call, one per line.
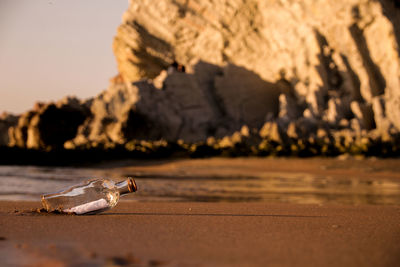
point(92, 196)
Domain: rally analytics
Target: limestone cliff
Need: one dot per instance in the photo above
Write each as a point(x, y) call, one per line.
point(331, 63)
point(331, 53)
point(290, 71)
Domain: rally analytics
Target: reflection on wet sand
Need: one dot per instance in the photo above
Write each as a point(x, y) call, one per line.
point(226, 180)
point(279, 187)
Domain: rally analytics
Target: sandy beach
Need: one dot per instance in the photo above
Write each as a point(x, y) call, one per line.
point(319, 212)
point(237, 133)
point(202, 234)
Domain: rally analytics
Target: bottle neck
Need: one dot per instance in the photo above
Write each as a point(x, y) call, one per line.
point(126, 186)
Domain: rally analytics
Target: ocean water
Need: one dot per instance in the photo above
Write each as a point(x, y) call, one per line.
point(29, 182)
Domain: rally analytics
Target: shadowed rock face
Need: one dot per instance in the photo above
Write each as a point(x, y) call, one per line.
point(49, 126)
point(6, 121)
point(177, 105)
point(290, 71)
point(57, 125)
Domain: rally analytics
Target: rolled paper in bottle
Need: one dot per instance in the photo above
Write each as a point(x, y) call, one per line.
point(88, 207)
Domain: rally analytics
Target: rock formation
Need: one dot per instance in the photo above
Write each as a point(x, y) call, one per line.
point(48, 126)
point(293, 73)
point(329, 53)
point(6, 122)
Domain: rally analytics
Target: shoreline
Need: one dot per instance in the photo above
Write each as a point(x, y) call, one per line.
point(171, 151)
point(230, 180)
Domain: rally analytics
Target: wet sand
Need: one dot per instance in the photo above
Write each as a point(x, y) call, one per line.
point(362, 168)
point(271, 180)
point(203, 234)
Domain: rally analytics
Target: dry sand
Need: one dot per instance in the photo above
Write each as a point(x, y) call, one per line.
point(203, 234)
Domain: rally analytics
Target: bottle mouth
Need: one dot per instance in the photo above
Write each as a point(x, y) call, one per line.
point(132, 185)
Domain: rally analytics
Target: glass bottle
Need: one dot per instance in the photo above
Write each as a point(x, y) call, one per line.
point(92, 196)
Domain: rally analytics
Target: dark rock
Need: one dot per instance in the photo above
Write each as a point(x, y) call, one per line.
point(50, 125)
point(6, 122)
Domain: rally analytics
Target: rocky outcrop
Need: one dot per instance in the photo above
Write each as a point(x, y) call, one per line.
point(329, 53)
point(48, 126)
point(180, 106)
point(6, 121)
point(283, 76)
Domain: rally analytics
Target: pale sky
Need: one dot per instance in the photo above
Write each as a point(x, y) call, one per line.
point(53, 48)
